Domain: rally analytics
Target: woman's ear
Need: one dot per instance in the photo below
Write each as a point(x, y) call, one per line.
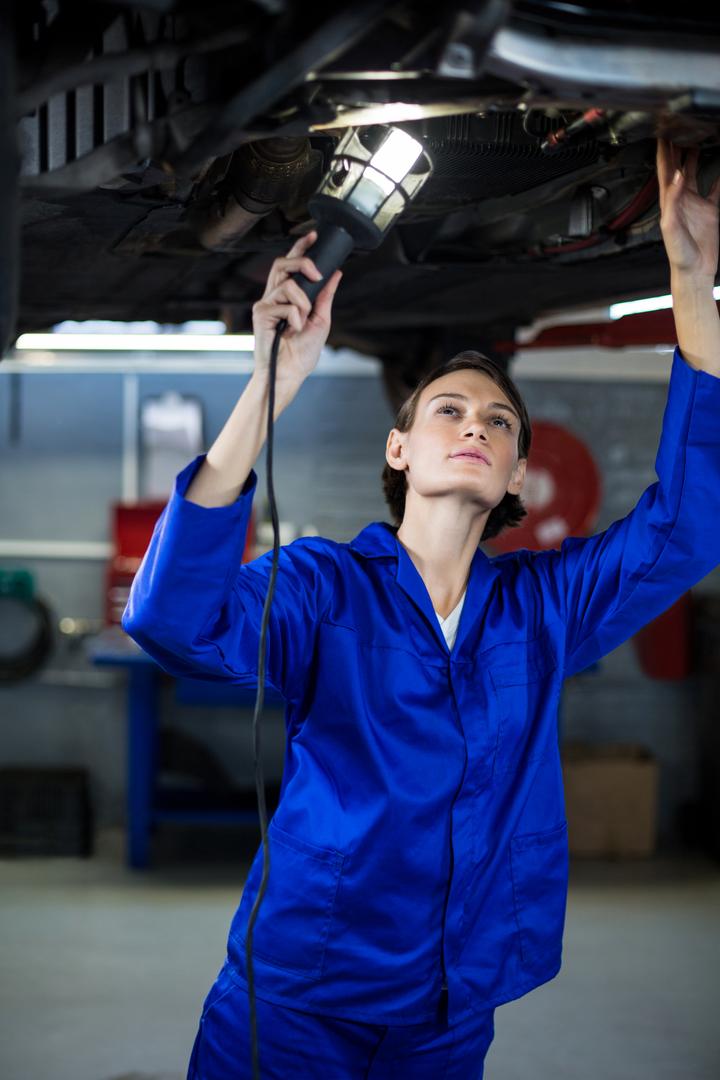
point(517, 478)
point(395, 450)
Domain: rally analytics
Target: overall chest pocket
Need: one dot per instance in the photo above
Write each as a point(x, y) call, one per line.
point(524, 689)
point(293, 923)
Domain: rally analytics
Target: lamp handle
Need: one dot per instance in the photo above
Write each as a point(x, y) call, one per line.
point(329, 252)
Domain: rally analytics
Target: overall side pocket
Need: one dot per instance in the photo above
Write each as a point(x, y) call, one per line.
point(293, 922)
point(539, 866)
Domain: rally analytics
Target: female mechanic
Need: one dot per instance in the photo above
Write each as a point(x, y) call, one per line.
point(419, 852)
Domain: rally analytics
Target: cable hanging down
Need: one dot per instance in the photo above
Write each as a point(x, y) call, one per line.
point(260, 697)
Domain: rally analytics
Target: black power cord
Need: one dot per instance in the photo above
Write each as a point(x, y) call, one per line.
point(332, 246)
point(259, 782)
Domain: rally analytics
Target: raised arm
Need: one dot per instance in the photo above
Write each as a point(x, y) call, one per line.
point(689, 225)
point(229, 460)
point(611, 584)
point(194, 606)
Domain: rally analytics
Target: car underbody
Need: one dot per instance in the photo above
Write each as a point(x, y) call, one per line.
point(167, 151)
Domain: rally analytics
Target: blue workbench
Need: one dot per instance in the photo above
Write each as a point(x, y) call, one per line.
point(146, 803)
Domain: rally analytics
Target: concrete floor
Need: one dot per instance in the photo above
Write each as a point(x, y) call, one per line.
point(104, 970)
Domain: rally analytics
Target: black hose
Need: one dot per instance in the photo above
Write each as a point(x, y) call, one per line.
point(18, 666)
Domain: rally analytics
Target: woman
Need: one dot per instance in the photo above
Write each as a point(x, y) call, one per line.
point(419, 850)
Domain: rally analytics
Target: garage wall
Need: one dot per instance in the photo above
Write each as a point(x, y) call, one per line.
point(59, 471)
point(61, 467)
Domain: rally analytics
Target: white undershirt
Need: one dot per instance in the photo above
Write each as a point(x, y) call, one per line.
point(449, 625)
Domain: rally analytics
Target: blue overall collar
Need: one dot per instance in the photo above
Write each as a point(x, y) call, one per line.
point(379, 540)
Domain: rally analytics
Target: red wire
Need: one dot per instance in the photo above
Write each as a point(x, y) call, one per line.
point(644, 198)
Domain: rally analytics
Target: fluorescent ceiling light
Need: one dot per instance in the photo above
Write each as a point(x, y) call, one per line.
point(138, 342)
point(649, 303)
point(145, 326)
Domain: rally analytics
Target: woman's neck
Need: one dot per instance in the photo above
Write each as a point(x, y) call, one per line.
point(442, 544)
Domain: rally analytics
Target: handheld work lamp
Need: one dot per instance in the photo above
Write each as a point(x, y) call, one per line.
point(374, 173)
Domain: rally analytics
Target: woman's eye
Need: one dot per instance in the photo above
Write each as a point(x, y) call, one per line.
point(496, 416)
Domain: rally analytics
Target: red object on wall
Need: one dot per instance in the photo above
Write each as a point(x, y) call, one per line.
point(562, 492)
point(131, 530)
point(663, 645)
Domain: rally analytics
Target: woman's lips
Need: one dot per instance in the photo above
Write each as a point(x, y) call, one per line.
point(472, 457)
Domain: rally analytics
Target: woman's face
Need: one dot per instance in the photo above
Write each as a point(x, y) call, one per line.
point(460, 415)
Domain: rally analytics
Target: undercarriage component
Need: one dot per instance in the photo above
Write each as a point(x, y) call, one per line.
point(261, 176)
point(479, 158)
point(470, 36)
point(571, 70)
point(330, 40)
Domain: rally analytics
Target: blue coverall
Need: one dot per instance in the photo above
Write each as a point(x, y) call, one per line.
point(420, 840)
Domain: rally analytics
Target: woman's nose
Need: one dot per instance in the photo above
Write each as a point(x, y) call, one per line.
point(476, 427)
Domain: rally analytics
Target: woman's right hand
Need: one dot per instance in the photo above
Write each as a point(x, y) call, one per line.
point(308, 324)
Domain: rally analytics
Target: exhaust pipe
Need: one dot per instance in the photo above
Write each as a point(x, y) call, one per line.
point(261, 176)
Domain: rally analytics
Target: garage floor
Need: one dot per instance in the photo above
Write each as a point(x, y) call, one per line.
point(104, 970)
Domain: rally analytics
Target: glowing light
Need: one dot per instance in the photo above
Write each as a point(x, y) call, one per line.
point(85, 342)
point(648, 303)
point(397, 155)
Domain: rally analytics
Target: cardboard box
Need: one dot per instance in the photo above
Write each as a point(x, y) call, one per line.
point(611, 799)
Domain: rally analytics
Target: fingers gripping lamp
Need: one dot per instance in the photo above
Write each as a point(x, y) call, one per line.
point(373, 175)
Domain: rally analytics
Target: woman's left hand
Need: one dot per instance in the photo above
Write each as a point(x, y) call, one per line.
point(689, 222)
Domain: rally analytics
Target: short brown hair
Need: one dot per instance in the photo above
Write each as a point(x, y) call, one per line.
point(510, 510)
